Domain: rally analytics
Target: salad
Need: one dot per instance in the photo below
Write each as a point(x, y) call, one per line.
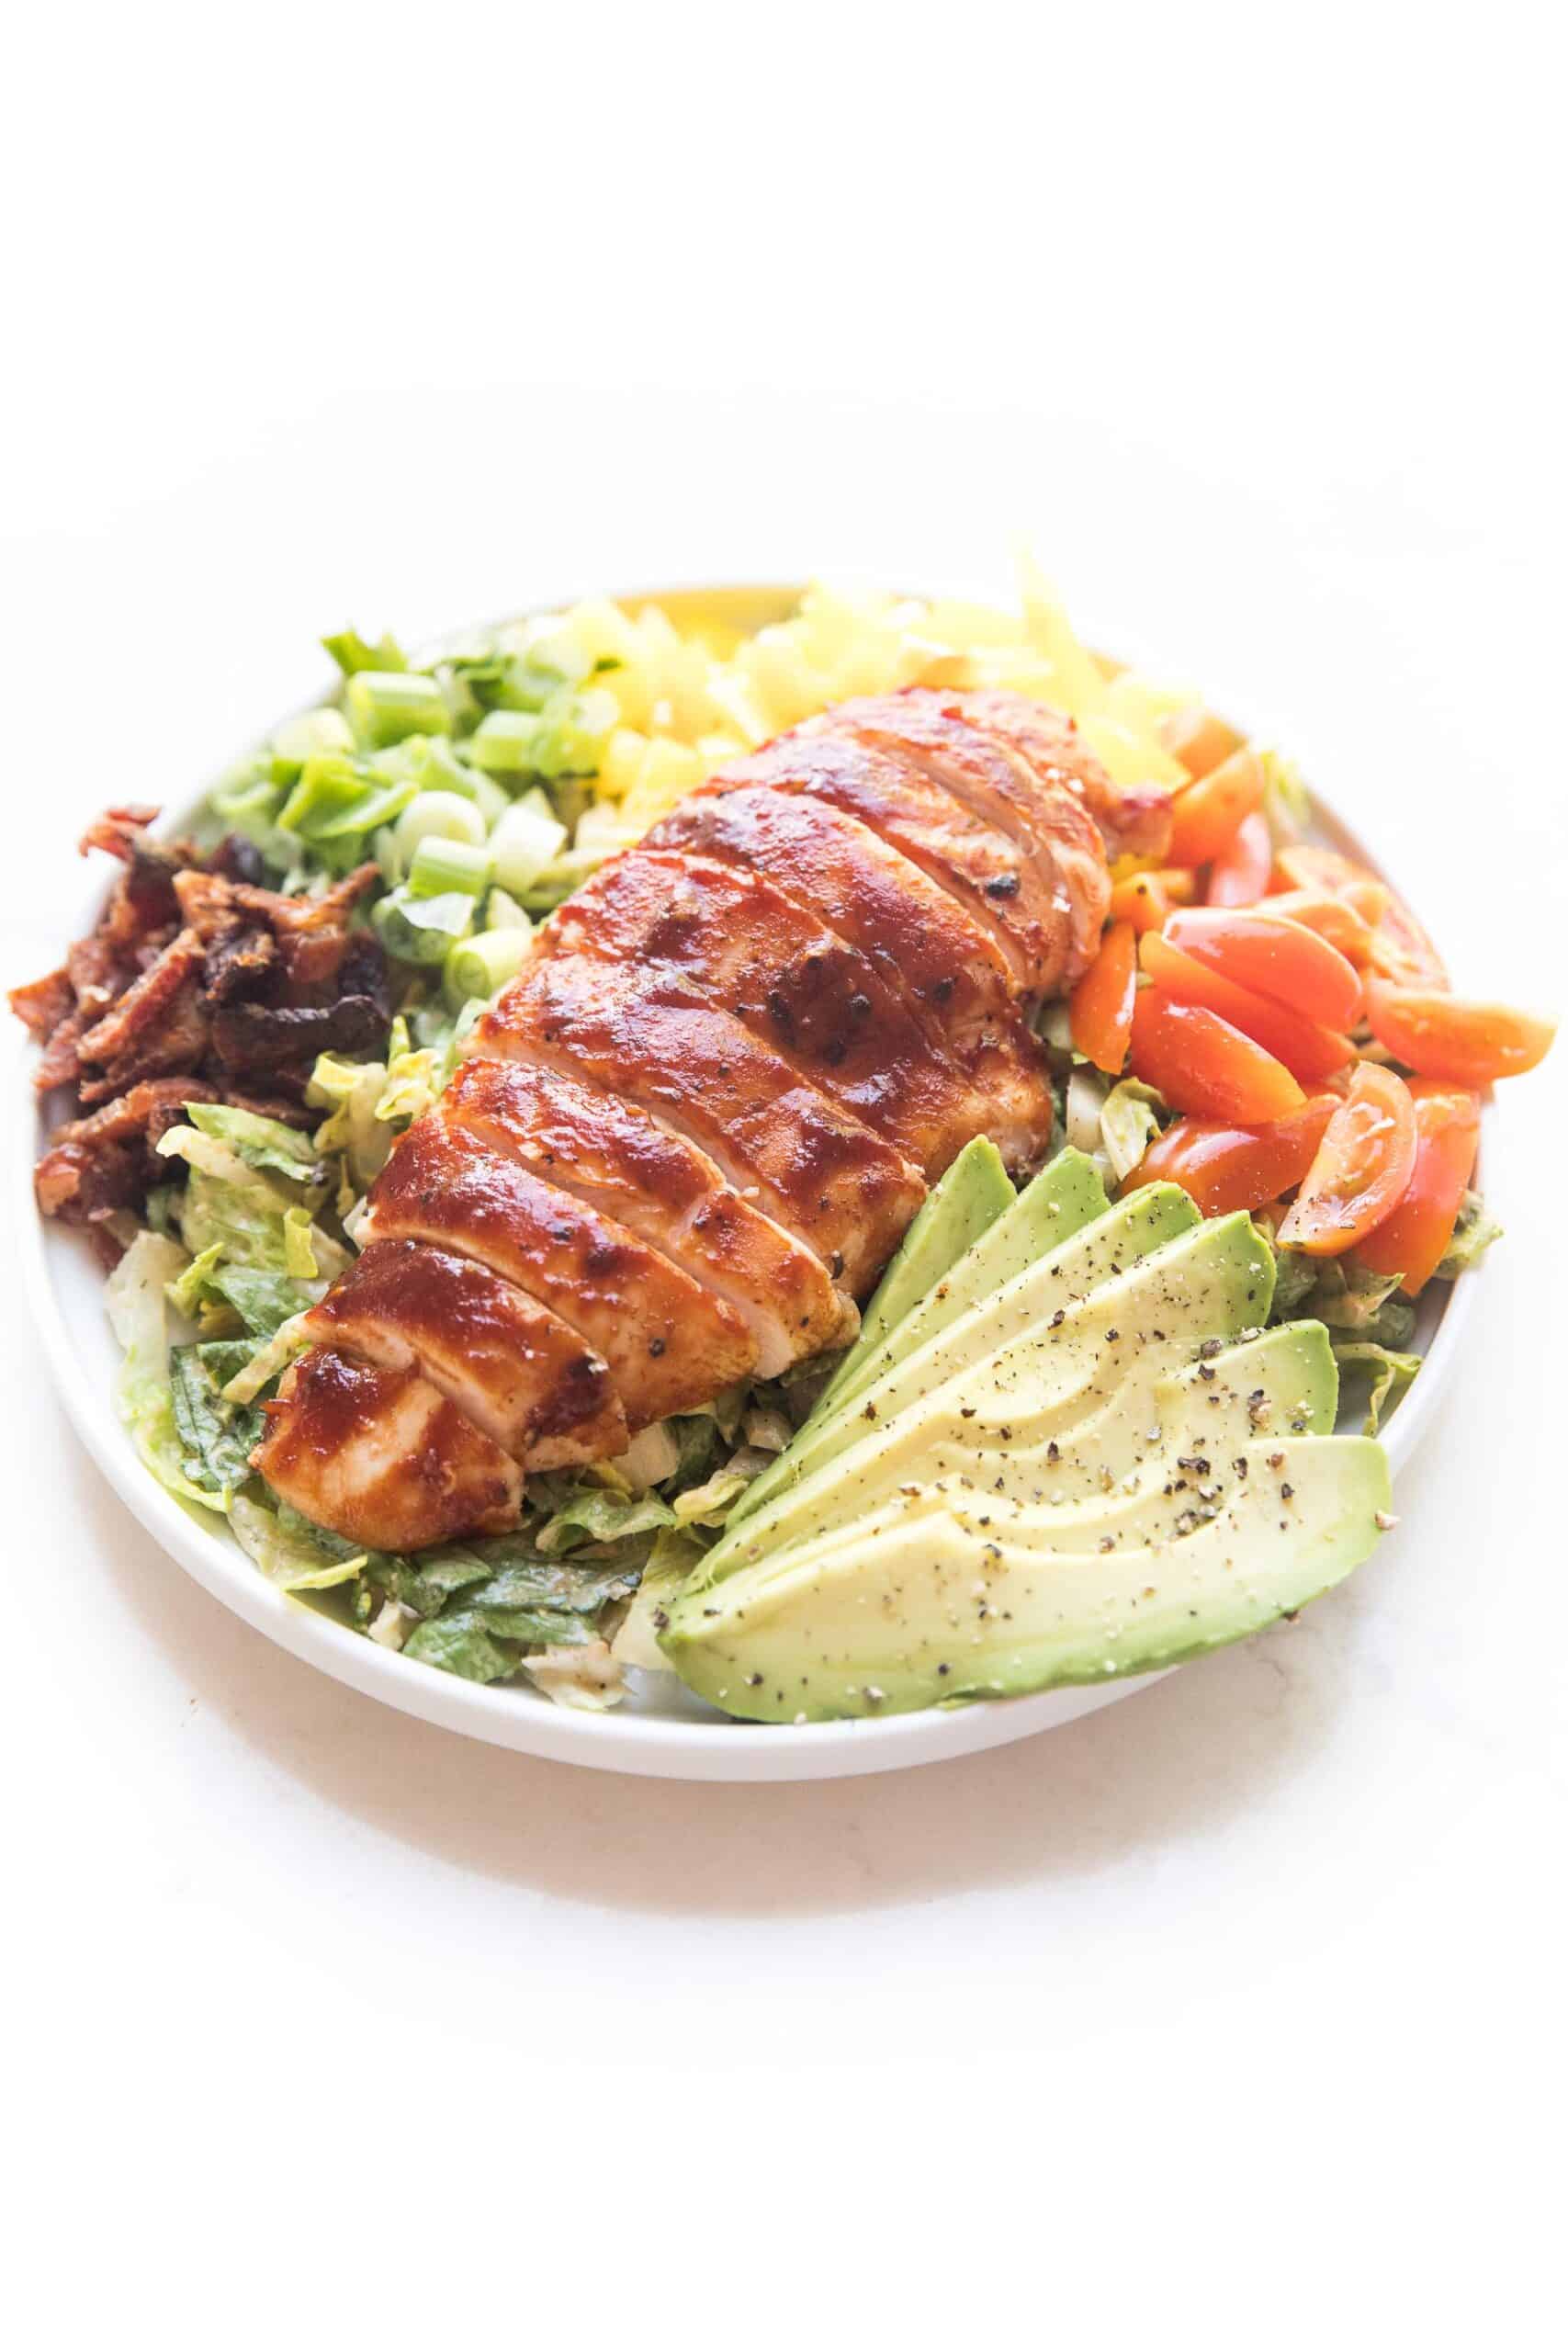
point(268, 1004)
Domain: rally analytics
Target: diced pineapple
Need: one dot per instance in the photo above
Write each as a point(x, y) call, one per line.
point(622, 763)
point(669, 771)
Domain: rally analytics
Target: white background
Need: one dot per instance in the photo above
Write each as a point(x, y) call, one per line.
point(1234, 2011)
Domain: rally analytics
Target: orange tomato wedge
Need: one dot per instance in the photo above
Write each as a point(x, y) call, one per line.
point(1200, 740)
point(1101, 1008)
point(1360, 1169)
point(1309, 1052)
point(1337, 920)
point(1412, 1239)
point(1453, 1038)
point(1239, 875)
point(1226, 1168)
point(1204, 816)
point(1399, 947)
point(1202, 1064)
point(1274, 956)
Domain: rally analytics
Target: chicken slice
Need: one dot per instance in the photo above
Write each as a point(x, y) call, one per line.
point(1055, 839)
point(1133, 819)
point(511, 1366)
point(670, 1343)
point(980, 866)
point(661, 1186)
point(382, 1457)
point(947, 966)
point(793, 983)
point(822, 1174)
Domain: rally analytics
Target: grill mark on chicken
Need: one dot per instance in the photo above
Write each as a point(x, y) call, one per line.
point(513, 1369)
point(382, 1457)
point(980, 866)
point(620, 1161)
point(825, 1177)
point(795, 985)
point(670, 1343)
point(1056, 838)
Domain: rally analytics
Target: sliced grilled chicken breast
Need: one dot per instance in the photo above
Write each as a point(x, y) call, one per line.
point(1053, 833)
point(516, 1371)
point(669, 1342)
point(822, 1174)
point(382, 1457)
point(1133, 819)
point(658, 1185)
point(980, 866)
point(792, 982)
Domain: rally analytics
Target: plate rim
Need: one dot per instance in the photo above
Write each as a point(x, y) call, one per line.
point(515, 1716)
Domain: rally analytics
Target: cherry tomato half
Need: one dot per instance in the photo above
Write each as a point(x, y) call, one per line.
point(1339, 921)
point(1309, 1052)
point(1100, 1009)
point(1201, 1064)
point(1274, 956)
point(1360, 1168)
point(1226, 1168)
point(1204, 816)
point(1239, 875)
point(1412, 1239)
point(1400, 948)
point(1451, 1037)
point(1200, 739)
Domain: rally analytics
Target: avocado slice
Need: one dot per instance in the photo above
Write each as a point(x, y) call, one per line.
point(891, 1616)
point(970, 1315)
point(968, 1198)
point(1017, 1369)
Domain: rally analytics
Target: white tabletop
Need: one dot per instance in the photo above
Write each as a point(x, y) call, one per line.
point(1270, 1953)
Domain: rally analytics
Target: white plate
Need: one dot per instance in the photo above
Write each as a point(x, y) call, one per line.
point(663, 1731)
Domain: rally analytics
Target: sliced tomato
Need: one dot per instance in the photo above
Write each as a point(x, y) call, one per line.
point(1145, 899)
point(1360, 1168)
point(1451, 1037)
point(1399, 948)
point(1274, 958)
point(1412, 1239)
point(1239, 875)
point(1203, 1065)
point(1100, 1011)
point(1309, 1052)
point(1339, 921)
point(1200, 739)
point(1205, 815)
point(1227, 1168)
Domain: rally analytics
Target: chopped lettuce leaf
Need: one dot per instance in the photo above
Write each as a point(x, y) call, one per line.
point(216, 1435)
point(288, 1340)
point(292, 1561)
point(1392, 1374)
point(1475, 1232)
point(186, 1293)
point(589, 1678)
point(595, 1515)
point(710, 1505)
point(1129, 1123)
point(349, 1093)
point(674, 1556)
point(263, 1302)
point(134, 1297)
point(244, 1211)
point(1351, 1298)
point(461, 1643)
point(1295, 1276)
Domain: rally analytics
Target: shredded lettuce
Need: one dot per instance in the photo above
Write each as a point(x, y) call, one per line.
point(245, 1213)
point(1475, 1232)
point(1391, 1371)
point(595, 1515)
point(135, 1298)
point(293, 1562)
point(1129, 1122)
point(216, 1435)
point(674, 1556)
point(260, 1143)
point(1351, 1298)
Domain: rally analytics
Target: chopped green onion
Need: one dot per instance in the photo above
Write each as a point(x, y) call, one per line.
point(440, 816)
point(439, 865)
point(298, 739)
point(421, 931)
point(352, 654)
point(504, 914)
point(503, 743)
point(384, 705)
point(523, 843)
point(479, 965)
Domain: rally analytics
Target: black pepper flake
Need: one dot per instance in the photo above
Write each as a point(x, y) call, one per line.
point(1199, 1463)
point(1059, 1318)
point(1276, 1462)
point(1286, 1490)
point(966, 1412)
point(1002, 886)
point(1052, 1451)
point(1205, 1371)
point(1209, 1349)
point(660, 1618)
point(655, 1346)
point(1114, 1333)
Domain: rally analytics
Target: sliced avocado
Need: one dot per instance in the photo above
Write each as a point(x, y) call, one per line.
point(890, 1617)
point(974, 1191)
point(968, 1199)
point(1018, 1367)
